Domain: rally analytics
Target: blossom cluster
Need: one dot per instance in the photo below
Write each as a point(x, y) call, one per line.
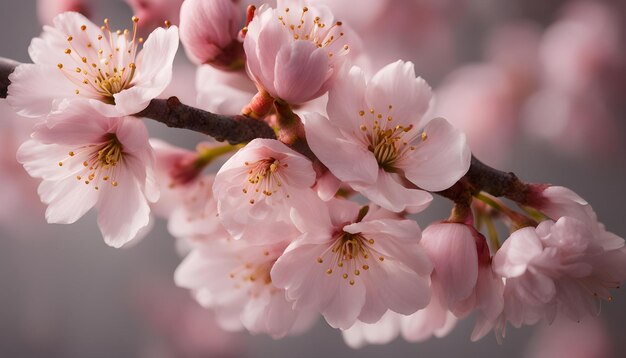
point(318, 221)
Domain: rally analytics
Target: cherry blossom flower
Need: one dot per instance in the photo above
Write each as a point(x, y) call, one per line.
point(77, 61)
point(354, 264)
point(209, 32)
point(294, 51)
point(565, 338)
point(259, 185)
point(560, 267)
point(104, 162)
point(154, 12)
point(48, 9)
point(196, 216)
point(233, 277)
point(557, 201)
point(376, 135)
point(479, 100)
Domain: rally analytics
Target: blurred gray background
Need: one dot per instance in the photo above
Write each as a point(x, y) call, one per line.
point(64, 293)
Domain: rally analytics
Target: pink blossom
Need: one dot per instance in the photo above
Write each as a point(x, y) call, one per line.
point(175, 175)
point(77, 61)
point(223, 92)
point(462, 274)
point(452, 249)
point(576, 50)
point(48, 9)
point(565, 338)
point(487, 300)
point(361, 19)
point(560, 267)
point(376, 135)
point(479, 99)
point(354, 264)
point(196, 217)
point(153, 13)
point(104, 162)
point(580, 123)
point(259, 185)
point(294, 51)
point(557, 201)
point(209, 32)
point(233, 277)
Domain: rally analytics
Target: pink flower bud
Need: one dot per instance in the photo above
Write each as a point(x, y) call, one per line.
point(209, 32)
point(452, 249)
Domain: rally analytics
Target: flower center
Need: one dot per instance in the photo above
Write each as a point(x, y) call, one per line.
point(100, 161)
point(254, 276)
point(307, 27)
point(388, 142)
point(102, 69)
point(348, 255)
point(264, 177)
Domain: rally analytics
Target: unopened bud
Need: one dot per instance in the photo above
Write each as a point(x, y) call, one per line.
point(209, 32)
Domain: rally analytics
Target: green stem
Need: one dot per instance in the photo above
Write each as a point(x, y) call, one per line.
point(494, 240)
point(518, 220)
point(208, 154)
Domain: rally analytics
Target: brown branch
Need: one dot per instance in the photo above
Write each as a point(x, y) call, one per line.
point(6, 68)
point(234, 129)
point(241, 129)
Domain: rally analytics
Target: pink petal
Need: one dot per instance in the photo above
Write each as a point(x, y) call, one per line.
point(392, 195)
point(35, 90)
point(122, 211)
point(514, 256)
point(396, 85)
point(301, 62)
point(347, 160)
point(440, 160)
point(154, 71)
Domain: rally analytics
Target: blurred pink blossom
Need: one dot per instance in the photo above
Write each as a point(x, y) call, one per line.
point(565, 338)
